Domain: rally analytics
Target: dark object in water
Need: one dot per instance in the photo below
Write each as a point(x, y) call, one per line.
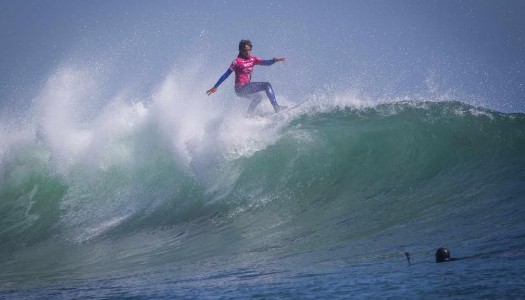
point(442, 255)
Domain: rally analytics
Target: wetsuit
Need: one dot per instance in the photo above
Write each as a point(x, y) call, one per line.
point(243, 69)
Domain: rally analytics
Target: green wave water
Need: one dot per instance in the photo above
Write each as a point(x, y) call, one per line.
point(324, 186)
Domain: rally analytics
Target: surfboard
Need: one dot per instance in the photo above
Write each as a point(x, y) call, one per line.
point(295, 105)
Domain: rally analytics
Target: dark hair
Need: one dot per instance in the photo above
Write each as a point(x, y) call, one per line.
point(243, 43)
point(442, 255)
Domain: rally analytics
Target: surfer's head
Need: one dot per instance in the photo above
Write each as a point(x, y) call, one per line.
point(245, 48)
point(442, 255)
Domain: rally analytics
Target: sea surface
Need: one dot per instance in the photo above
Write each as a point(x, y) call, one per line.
point(320, 201)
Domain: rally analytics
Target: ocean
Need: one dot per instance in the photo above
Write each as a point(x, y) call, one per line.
point(320, 201)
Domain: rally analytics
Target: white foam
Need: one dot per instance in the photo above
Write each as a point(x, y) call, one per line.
point(201, 133)
point(58, 108)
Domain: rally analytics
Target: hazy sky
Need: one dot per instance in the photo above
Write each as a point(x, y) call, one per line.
point(382, 49)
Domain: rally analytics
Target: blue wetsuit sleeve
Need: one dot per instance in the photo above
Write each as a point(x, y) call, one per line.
point(267, 62)
point(223, 77)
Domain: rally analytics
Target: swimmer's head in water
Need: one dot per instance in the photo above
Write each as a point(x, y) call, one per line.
point(442, 255)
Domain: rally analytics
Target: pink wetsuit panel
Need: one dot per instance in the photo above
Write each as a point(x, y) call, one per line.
point(243, 69)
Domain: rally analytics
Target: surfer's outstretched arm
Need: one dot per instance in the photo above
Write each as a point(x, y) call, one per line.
point(223, 77)
point(269, 62)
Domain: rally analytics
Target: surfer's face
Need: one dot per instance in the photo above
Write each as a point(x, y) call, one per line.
point(246, 51)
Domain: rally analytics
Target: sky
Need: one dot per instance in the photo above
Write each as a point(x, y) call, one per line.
point(471, 51)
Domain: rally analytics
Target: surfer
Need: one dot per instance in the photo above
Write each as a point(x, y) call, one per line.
point(243, 68)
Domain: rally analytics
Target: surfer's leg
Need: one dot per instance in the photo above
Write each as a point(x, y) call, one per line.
point(254, 87)
point(256, 99)
point(270, 94)
point(249, 91)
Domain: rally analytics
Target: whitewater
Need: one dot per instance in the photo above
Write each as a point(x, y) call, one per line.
point(179, 195)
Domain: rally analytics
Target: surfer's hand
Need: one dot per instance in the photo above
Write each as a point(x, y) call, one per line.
point(211, 91)
point(279, 59)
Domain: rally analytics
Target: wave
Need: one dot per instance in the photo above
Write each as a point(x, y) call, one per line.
point(171, 180)
point(145, 184)
point(129, 171)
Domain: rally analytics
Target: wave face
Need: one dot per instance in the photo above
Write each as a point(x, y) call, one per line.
point(144, 185)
